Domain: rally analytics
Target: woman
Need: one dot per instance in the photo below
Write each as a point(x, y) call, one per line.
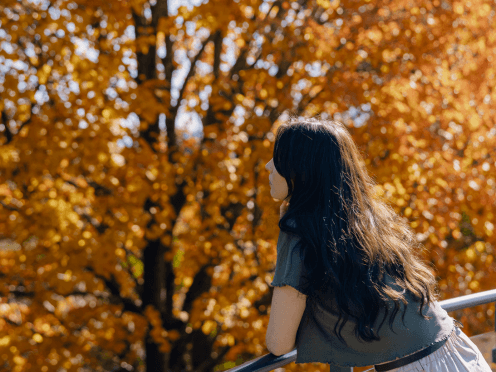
point(346, 263)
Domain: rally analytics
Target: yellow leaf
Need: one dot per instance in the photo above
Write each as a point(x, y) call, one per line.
point(474, 122)
point(458, 8)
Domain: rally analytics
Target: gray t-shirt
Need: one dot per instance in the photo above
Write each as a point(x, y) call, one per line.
point(313, 346)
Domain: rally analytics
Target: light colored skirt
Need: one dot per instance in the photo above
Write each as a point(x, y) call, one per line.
point(458, 354)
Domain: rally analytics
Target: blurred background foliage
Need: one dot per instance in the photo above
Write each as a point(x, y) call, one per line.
point(137, 224)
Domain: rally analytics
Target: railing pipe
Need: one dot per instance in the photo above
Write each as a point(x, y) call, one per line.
point(470, 300)
point(269, 362)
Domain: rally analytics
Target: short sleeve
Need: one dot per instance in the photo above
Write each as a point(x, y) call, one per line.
point(290, 269)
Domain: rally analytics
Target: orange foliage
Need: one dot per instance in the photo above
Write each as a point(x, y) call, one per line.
point(134, 237)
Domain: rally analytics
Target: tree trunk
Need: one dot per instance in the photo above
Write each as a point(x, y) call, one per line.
point(153, 275)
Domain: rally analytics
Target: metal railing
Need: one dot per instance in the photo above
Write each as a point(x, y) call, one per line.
point(269, 362)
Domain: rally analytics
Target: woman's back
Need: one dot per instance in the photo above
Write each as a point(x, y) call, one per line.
point(316, 341)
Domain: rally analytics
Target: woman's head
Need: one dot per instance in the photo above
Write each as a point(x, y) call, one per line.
point(350, 238)
point(316, 157)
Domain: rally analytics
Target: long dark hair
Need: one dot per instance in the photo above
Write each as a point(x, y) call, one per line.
point(350, 237)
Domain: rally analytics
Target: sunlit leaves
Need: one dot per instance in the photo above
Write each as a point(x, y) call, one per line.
point(83, 208)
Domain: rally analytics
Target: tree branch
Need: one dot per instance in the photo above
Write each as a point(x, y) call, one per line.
point(159, 10)
point(192, 69)
point(8, 207)
point(217, 52)
point(113, 287)
point(168, 61)
point(7, 320)
point(201, 283)
point(8, 133)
